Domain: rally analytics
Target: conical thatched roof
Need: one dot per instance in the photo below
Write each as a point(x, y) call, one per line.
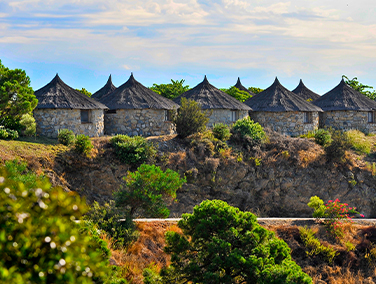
point(343, 97)
point(134, 95)
point(302, 91)
point(278, 98)
point(209, 97)
point(57, 94)
point(105, 90)
point(242, 88)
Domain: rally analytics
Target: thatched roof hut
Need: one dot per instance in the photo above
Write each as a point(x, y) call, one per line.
point(58, 95)
point(209, 97)
point(302, 91)
point(343, 97)
point(134, 95)
point(105, 90)
point(242, 88)
point(277, 98)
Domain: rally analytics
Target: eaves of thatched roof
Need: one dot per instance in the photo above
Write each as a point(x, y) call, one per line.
point(105, 90)
point(302, 91)
point(277, 98)
point(343, 97)
point(242, 88)
point(57, 94)
point(209, 97)
point(134, 95)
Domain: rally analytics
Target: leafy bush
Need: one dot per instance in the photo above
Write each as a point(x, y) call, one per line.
point(314, 245)
point(28, 123)
point(221, 131)
point(221, 244)
point(248, 133)
point(146, 189)
point(336, 150)
point(240, 95)
point(359, 142)
point(6, 133)
point(39, 240)
point(190, 118)
point(107, 217)
point(323, 137)
point(3, 133)
point(66, 137)
point(83, 144)
point(133, 150)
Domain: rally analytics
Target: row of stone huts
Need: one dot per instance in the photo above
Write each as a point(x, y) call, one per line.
point(134, 109)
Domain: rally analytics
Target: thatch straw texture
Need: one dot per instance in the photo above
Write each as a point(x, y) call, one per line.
point(105, 90)
point(303, 92)
point(242, 88)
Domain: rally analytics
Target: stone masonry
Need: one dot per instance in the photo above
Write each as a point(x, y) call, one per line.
point(288, 122)
point(225, 116)
point(132, 122)
point(346, 120)
point(50, 121)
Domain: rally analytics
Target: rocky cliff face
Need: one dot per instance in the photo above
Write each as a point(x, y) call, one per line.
point(277, 180)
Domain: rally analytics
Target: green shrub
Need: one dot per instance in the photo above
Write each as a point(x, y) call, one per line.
point(248, 133)
point(314, 245)
point(323, 137)
point(190, 118)
point(39, 240)
point(220, 243)
point(146, 190)
point(66, 137)
point(106, 218)
point(221, 131)
point(336, 150)
point(12, 134)
point(83, 144)
point(359, 142)
point(133, 150)
point(3, 133)
point(28, 123)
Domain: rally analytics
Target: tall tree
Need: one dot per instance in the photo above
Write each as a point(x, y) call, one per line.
point(357, 86)
point(16, 96)
point(172, 90)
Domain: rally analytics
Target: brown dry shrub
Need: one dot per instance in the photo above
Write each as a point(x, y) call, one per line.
point(211, 164)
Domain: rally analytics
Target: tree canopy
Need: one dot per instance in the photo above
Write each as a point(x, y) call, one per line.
point(16, 96)
point(171, 90)
point(85, 92)
point(357, 86)
point(255, 90)
point(221, 244)
point(240, 95)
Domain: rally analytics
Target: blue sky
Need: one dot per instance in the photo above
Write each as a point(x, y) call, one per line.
point(86, 40)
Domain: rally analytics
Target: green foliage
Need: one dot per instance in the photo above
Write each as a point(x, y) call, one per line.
point(314, 245)
point(16, 96)
point(336, 150)
point(3, 133)
point(146, 190)
point(66, 137)
point(27, 122)
point(151, 275)
point(106, 218)
point(357, 86)
point(221, 244)
point(83, 144)
point(221, 131)
point(85, 92)
point(241, 96)
point(323, 137)
point(172, 90)
point(309, 134)
point(12, 134)
point(133, 150)
point(248, 133)
point(190, 118)
point(359, 142)
point(332, 214)
point(39, 240)
point(255, 90)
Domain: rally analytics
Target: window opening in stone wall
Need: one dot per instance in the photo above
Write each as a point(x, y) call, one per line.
point(307, 117)
point(167, 115)
point(234, 115)
point(371, 117)
point(111, 111)
point(85, 116)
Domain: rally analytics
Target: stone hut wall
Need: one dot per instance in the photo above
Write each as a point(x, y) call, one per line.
point(346, 120)
point(288, 122)
point(132, 122)
point(49, 121)
point(225, 116)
